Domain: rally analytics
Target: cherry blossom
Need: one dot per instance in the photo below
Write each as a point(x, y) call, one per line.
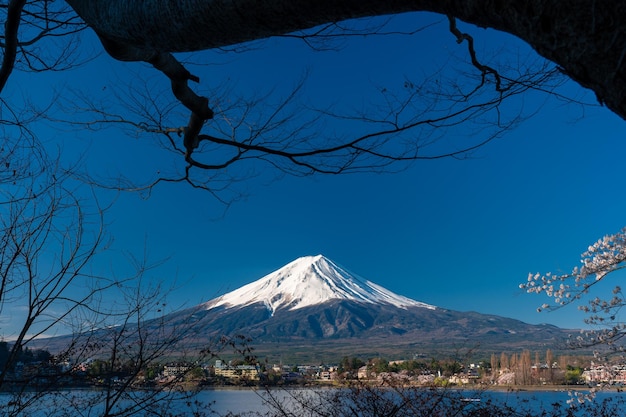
point(602, 258)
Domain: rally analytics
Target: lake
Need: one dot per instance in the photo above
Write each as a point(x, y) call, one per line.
point(241, 401)
point(326, 402)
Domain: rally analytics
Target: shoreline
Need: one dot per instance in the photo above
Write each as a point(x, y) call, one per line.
point(476, 388)
point(473, 388)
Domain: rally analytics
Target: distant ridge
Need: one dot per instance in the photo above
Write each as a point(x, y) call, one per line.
point(310, 281)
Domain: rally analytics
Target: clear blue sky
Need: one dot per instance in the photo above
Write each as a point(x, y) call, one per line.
point(459, 234)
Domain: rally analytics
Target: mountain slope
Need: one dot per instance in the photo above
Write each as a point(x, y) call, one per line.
point(360, 322)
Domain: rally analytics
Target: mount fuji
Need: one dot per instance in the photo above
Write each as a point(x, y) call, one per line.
point(312, 307)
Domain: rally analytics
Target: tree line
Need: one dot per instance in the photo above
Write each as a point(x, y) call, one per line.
point(506, 368)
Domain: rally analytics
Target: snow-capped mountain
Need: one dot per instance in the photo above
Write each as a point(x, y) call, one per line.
point(310, 281)
point(312, 308)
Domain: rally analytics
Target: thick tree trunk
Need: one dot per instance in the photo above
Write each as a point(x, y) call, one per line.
point(586, 38)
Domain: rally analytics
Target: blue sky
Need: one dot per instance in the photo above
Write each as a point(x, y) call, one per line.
point(459, 234)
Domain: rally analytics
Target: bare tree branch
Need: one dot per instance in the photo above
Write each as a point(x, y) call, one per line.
point(11, 26)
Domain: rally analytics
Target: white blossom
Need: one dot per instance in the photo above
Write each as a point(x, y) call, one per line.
point(603, 257)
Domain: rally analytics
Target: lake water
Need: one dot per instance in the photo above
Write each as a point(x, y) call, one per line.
point(222, 402)
point(246, 401)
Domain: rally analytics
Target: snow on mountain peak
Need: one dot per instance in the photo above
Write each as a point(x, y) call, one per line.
point(309, 281)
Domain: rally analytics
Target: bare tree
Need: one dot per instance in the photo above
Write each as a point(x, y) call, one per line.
point(581, 37)
point(586, 51)
point(245, 137)
point(131, 350)
point(550, 364)
point(540, 23)
point(38, 36)
point(49, 288)
point(52, 230)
